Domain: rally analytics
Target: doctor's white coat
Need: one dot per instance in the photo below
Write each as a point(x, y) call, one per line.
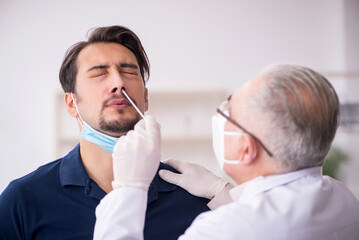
point(296, 205)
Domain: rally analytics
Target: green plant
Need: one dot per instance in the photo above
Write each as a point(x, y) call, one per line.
point(333, 161)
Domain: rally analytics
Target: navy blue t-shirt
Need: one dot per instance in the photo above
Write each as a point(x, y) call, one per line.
point(58, 201)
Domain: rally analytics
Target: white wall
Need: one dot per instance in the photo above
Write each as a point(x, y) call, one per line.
point(191, 45)
point(350, 170)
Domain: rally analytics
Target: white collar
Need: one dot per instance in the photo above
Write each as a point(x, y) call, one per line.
point(261, 184)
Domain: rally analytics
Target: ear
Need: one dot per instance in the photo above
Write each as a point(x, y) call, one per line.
point(146, 99)
point(248, 150)
point(70, 105)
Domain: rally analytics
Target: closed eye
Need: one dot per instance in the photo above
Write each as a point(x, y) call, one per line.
point(128, 68)
point(98, 73)
point(131, 71)
point(97, 76)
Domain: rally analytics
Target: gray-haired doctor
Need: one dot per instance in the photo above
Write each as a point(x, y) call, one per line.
point(271, 137)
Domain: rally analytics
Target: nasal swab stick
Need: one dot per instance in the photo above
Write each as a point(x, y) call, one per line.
point(133, 104)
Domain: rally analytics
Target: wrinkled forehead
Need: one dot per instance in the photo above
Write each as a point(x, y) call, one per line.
point(105, 53)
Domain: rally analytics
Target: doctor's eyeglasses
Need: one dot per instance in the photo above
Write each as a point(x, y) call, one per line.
point(223, 110)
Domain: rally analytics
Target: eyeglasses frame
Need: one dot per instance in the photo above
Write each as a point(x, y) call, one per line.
point(243, 129)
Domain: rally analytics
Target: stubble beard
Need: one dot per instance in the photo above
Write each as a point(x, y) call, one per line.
point(119, 126)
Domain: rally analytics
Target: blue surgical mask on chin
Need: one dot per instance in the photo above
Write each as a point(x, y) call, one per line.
point(105, 141)
point(100, 139)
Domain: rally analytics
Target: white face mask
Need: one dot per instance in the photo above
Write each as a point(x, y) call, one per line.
point(218, 134)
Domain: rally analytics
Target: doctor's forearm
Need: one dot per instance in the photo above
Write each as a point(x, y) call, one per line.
point(121, 214)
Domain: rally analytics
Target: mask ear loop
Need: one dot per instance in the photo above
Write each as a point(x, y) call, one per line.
point(254, 155)
point(255, 152)
point(235, 134)
point(79, 116)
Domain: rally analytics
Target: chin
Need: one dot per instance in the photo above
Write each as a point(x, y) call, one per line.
point(118, 127)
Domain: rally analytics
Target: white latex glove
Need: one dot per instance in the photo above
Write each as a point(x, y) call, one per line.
point(136, 156)
point(194, 178)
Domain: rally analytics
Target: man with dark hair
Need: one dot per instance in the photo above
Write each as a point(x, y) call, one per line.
point(58, 200)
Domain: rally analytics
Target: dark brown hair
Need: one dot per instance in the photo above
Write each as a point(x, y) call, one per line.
point(111, 34)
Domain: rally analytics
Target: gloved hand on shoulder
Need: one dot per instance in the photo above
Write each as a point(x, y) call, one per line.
point(136, 156)
point(194, 178)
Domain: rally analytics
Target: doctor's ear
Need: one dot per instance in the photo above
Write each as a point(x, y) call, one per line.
point(70, 105)
point(249, 150)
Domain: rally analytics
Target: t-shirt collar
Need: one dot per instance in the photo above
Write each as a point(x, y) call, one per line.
point(72, 172)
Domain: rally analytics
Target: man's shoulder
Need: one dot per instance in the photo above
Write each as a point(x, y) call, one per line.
point(166, 202)
point(42, 173)
point(45, 174)
point(22, 189)
point(175, 193)
point(167, 167)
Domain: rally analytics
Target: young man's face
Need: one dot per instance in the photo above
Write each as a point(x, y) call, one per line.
point(103, 69)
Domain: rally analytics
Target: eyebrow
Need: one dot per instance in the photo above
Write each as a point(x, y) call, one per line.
point(97, 67)
point(128, 65)
point(121, 65)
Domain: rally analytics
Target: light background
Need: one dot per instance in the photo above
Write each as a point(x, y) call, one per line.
point(193, 45)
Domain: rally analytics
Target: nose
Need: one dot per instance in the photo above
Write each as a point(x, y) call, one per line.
point(115, 90)
point(117, 83)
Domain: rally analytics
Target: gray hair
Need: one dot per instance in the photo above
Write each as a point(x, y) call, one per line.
point(302, 110)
